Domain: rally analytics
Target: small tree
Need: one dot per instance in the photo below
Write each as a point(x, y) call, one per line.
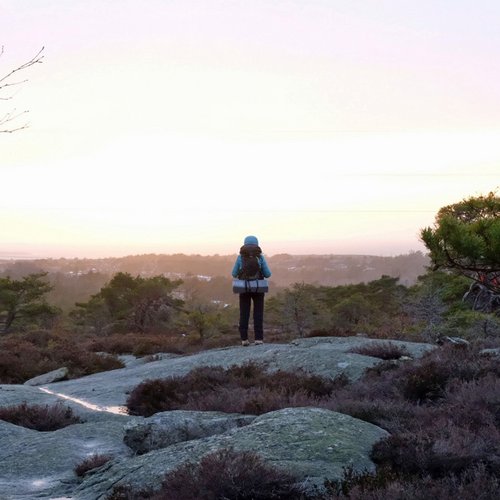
point(350, 312)
point(7, 82)
point(205, 320)
point(93, 314)
point(435, 296)
point(24, 299)
point(137, 304)
point(466, 238)
point(299, 308)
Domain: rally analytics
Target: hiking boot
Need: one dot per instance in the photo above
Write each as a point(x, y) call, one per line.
point(259, 342)
point(245, 343)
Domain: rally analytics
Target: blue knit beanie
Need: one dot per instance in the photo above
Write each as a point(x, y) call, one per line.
point(251, 240)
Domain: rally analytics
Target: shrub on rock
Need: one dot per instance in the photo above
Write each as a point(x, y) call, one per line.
point(382, 350)
point(248, 389)
point(93, 462)
point(477, 483)
point(223, 474)
point(39, 417)
point(229, 474)
point(24, 358)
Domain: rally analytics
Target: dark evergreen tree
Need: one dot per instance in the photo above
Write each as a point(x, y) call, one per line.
point(466, 239)
point(24, 300)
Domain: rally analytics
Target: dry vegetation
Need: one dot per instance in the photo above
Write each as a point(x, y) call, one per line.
point(443, 413)
point(228, 474)
point(247, 389)
point(93, 462)
point(42, 418)
point(382, 350)
point(25, 356)
point(224, 474)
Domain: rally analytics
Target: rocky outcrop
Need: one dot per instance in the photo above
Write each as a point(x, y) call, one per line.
point(170, 427)
point(311, 443)
point(49, 378)
point(40, 464)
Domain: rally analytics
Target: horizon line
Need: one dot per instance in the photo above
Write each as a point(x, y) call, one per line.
point(22, 256)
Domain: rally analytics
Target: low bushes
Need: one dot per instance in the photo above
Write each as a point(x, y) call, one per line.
point(224, 474)
point(443, 412)
point(382, 350)
point(228, 474)
point(25, 356)
point(474, 484)
point(395, 392)
point(39, 417)
point(138, 345)
point(93, 462)
point(245, 389)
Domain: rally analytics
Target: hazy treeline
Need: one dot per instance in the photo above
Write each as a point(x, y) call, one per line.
point(75, 280)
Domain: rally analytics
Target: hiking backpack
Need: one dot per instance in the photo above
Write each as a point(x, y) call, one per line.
point(250, 263)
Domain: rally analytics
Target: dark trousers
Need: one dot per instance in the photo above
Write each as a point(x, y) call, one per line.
point(258, 314)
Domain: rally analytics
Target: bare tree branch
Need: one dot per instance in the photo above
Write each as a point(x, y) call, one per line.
point(5, 83)
point(8, 117)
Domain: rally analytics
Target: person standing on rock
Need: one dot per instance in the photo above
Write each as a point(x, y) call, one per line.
point(251, 264)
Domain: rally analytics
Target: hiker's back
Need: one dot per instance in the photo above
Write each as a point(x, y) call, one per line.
point(250, 262)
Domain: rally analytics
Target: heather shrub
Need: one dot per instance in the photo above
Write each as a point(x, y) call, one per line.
point(390, 415)
point(422, 382)
point(476, 402)
point(93, 462)
point(243, 389)
point(426, 382)
point(137, 344)
point(20, 361)
point(80, 362)
point(443, 413)
point(383, 366)
point(228, 474)
point(382, 350)
point(223, 474)
point(439, 450)
point(428, 378)
point(39, 417)
point(328, 332)
point(313, 385)
point(249, 401)
point(475, 484)
point(359, 480)
point(115, 344)
point(153, 396)
point(95, 363)
point(127, 492)
point(26, 357)
point(39, 338)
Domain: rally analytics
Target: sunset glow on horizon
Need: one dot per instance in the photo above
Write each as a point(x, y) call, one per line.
point(320, 126)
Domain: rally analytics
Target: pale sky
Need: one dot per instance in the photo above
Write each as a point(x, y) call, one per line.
point(321, 126)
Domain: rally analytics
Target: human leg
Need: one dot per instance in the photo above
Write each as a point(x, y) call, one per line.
point(258, 315)
point(245, 302)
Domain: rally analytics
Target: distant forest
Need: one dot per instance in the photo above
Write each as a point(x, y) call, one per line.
point(75, 280)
